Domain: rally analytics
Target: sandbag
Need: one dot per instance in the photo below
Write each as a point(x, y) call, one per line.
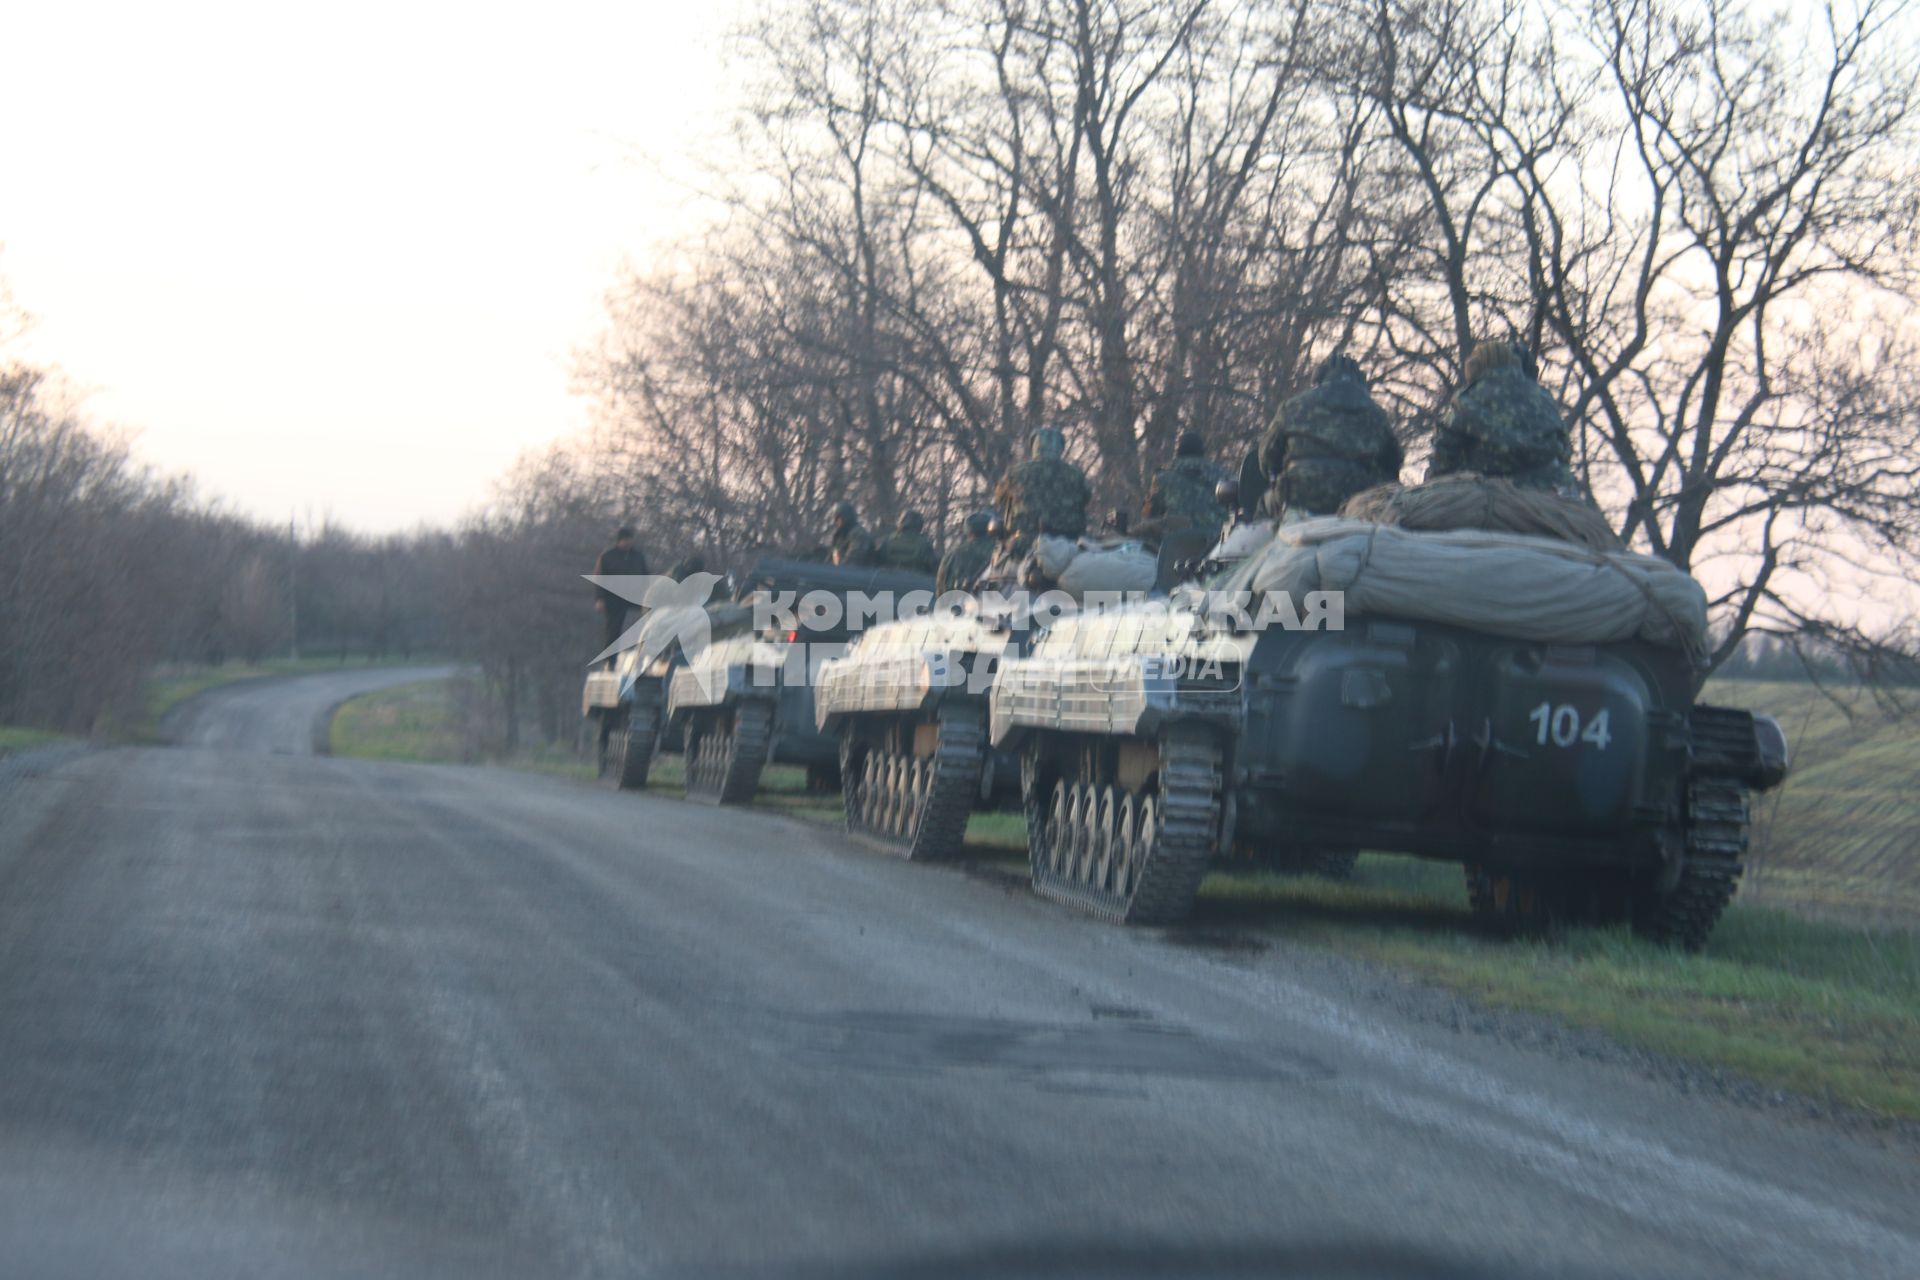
point(1468, 501)
point(1527, 587)
point(1053, 555)
point(1079, 569)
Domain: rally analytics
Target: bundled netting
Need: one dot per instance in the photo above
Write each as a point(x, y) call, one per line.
point(1544, 589)
point(1468, 501)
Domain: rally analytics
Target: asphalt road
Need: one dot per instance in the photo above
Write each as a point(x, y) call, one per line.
point(267, 1013)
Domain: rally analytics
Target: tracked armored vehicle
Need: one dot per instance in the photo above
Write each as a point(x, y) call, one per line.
point(624, 704)
point(908, 707)
point(1563, 760)
point(909, 703)
point(746, 699)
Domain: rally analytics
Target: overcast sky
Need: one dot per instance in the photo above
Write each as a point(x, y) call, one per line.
point(336, 260)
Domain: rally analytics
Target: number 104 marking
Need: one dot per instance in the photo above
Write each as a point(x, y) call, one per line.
point(1562, 726)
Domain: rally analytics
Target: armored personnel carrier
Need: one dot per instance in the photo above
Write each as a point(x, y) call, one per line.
point(1518, 705)
point(747, 698)
point(623, 704)
point(909, 705)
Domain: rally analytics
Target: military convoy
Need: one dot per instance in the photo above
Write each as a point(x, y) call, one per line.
point(746, 698)
point(1562, 759)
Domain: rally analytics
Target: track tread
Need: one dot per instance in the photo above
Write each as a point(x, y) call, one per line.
point(1168, 876)
point(1716, 843)
point(939, 828)
point(633, 755)
point(724, 764)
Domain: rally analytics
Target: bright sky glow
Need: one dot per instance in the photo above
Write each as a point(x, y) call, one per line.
point(335, 260)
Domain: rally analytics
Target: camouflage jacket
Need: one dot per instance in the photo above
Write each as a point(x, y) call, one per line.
point(1505, 425)
point(1043, 495)
point(1183, 495)
point(904, 550)
point(1325, 445)
point(852, 545)
point(961, 568)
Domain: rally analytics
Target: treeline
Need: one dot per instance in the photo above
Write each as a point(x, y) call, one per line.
point(107, 569)
point(947, 224)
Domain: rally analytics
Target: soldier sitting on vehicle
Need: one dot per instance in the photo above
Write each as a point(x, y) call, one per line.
point(1502, 424)
point(1046, 494)
point(848, 541)
point(1327, 444)
point(1181, 496)
point(622, 559)
point(908, 546)
point(962, 566)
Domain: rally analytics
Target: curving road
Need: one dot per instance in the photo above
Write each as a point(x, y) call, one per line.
point(266, 1013)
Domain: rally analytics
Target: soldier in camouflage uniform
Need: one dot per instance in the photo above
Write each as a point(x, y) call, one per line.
point(908, 546)
point(1503, 424)
point(1327, 444)
point(961, 568)
point(1045, 494)
point(1182, 494)
point(848, 541)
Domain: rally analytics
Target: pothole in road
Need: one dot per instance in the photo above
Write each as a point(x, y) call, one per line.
point(907, 1042)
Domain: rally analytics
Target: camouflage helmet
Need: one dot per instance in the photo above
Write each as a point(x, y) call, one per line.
point(980, 524)
point(845, 513)
point(911, 522)
point(1048, 442)
point(1227, 493)
point(1488, 356)
point(1191, 444)
point(1338, 365)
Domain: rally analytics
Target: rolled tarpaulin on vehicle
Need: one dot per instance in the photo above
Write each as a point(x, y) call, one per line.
point(1531, 588)
point(1467, 501)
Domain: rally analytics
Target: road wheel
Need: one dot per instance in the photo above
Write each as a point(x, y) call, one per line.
point(917, 805)
point(727, 751)
point(1514, 904)
point(1172, 828)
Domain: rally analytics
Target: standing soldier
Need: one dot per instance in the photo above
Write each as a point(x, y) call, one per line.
point(622, 559)
point(908, 546)
point(1503, 424)
point(1182, 494)
point(1046, 494)
point(1327, 444)
point(848, 541)
point(960, 570)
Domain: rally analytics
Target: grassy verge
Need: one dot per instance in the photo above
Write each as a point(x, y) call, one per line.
point(171, 686)
point(15, 738)
point(1827, 1009)
point(1838, 841)
point(420, 723)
